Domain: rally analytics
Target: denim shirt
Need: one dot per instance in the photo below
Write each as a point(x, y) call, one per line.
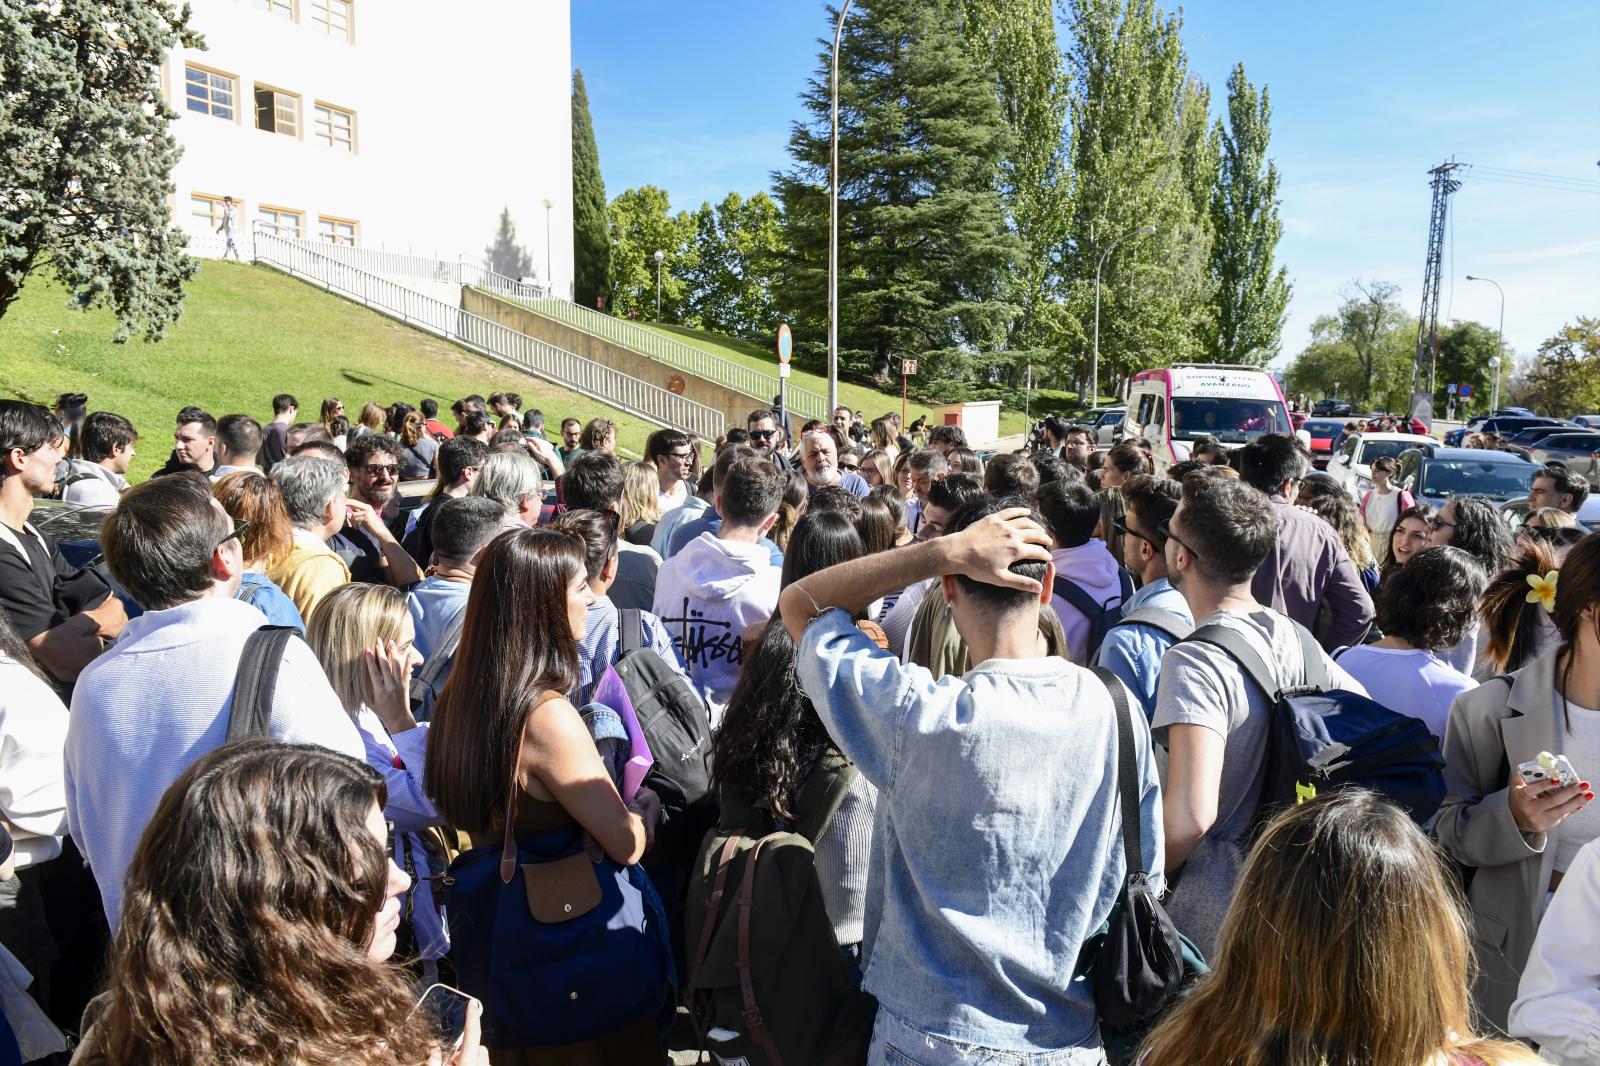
point(997, 851)
point(1133, 652)
point(260, 592)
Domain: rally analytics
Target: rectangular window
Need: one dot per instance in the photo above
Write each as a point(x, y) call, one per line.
point(209, 92)
point(337, 230)
point(283, 221)
point(209, 211)
point(332, 16)
point(281, 8)
point(336, 127)
point(277, 112)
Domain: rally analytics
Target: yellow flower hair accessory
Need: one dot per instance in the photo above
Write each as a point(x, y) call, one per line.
point(1543, 590)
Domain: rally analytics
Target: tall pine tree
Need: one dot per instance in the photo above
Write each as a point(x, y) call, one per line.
point(1251, 297)
point(591, 232)
point(924, 249)
point(86, 156)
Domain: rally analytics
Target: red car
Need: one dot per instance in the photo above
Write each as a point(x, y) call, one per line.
point(1324, 431)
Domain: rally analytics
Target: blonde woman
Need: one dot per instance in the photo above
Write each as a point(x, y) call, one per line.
point(1375, 972)
point(363, 636)
point(1550, 518)
point(255, 504)
point(371, 421)
point(882, 438)
point(877, 467)
point(641, 503)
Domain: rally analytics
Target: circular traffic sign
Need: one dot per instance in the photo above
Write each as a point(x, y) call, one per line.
point(785, 343)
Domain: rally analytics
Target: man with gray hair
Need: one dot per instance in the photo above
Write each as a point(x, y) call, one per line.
point(313, 494)
point(512, 480)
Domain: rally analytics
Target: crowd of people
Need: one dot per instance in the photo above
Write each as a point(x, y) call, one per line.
point(333, 716)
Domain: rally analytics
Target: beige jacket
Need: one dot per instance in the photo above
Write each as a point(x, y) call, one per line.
point(1493, 729)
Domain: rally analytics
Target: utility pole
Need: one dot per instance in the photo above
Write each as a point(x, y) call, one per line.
point(1432, 275)
point(659, 256)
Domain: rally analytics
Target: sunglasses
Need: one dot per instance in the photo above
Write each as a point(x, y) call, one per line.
point(381, 468)
point(1438, 523)
point(849, 466)
point(1164, 527)
point(1128, 531)
point(239, 530)
point(763, 434)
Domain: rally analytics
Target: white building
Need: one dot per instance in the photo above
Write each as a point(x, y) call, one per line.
point(403, 125)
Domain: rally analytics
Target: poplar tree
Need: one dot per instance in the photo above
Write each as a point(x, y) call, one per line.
point(591, 232)
point(86, 156)
point(924, 249)
point(1252, 297)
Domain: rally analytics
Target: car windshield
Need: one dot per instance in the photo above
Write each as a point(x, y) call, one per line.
point(1232, 421)
point(1383, 449)
point(1499, 481)
point(1324, 429)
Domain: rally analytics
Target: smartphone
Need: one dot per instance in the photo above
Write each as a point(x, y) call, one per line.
point(1546, 767)
point(448, 1007)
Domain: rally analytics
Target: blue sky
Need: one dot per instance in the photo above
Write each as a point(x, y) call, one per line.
point(697, 96)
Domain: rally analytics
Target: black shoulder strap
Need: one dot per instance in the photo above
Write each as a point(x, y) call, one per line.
point(1242, 652)
point(632, 629)
point(250, 708)
point(1127, 771)
point(1316, 670)
point(1080, 600)
point(1169, 622)
point(1125, 584)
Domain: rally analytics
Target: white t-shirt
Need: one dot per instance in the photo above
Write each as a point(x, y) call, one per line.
point(1581, 737)
point(1409, 681)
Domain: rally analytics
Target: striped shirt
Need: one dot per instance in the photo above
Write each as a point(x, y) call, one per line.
point(602, 643)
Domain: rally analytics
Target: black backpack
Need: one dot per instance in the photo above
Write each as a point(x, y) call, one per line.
point(1100, 616)
point(1320, 739)
point(255, 681)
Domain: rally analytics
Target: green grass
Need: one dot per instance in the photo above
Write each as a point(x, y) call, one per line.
point(248, 333)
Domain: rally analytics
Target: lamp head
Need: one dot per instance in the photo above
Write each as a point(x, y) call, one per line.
point(660, 255)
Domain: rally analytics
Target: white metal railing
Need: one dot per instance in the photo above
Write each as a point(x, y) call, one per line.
point(465, 271)
point(599, 382)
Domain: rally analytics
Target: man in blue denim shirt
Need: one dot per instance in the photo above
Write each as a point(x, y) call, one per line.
point(996, 853)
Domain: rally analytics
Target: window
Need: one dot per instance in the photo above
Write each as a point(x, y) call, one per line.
point(208, 210)
point(337, 230)
point(277, 112)
point(283, 221)
point(209, 92)
point(332, 16)
point(281, 8)
point(336, 127)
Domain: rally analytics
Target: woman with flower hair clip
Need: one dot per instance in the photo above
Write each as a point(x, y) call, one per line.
point(1516, 612)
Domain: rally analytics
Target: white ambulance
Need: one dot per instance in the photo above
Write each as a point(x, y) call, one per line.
point(1175, 406)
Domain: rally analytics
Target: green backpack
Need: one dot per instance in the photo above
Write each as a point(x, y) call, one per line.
point(767, 984)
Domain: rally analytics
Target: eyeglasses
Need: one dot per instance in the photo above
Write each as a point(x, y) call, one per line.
point(375, 469)
point(1164, 527)
point(763, 434)
point(1128, 531)
point(239, 530)
point(1438, 523)
point(681, 456)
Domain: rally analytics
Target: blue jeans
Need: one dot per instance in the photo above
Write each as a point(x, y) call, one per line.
point(894, 1043)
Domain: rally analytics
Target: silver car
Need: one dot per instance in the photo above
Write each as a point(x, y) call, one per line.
point(1575, 450)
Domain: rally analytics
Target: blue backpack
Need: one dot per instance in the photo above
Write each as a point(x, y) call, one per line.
point(1321, 739)
point(1100, 616)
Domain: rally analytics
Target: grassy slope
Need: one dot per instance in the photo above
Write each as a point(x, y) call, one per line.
point(248, 333)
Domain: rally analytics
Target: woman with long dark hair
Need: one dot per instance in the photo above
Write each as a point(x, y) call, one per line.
point(1473, 524)
point(511, 763)
point(1345, 945)
point(258, 919)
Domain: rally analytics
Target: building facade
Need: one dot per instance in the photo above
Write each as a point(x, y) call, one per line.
point(400, 125)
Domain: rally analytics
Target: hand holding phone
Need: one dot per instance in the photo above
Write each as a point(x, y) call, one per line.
point(456, 1016)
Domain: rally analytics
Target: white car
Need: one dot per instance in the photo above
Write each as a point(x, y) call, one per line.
point(1102, 423)
point(1587, 421)
point(1351, 465)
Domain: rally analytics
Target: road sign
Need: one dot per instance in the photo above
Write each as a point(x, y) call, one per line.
point(1466, 390)
point(1451, 389)
point(785, 344)
point(783, 369)
point(909, 368)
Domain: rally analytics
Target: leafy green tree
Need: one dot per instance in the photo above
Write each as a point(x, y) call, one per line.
point(1565, 376)
point(1252, 298)
point(925, 253)
point(737, 245)
point(1358, 353)
point(591, 230)
point(86, 156)
point(641, 226)
point(1465, 349)
point(505, 255)
point(1134, 112)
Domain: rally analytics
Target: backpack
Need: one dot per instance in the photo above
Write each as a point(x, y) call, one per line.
point(1321, 739)
point(429, 681)
point(256, 680)
point(767, 983)
point(1171, 623)
point(1100, 616)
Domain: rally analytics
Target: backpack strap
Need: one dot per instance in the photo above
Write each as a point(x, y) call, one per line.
point(747, 986)
point(709, 924)
point(1075, 595)
point(1169, 622)
point(250, 705)
point(632, 629)
point(1125, 584)
point(1316, 670)
point(1241, 651)
point(1127, 772)
point(442, 656)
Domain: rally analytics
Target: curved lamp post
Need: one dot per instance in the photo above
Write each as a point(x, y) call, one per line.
point(660, 255)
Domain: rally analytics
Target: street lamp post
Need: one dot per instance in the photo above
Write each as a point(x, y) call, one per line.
point(1499, 343)
point(660, 255)
point(549, 275)
point(833, 223)
point(1094, 362)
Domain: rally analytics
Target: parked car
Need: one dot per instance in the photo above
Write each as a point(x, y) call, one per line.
point(1331, 408)
point(1104, 427)
point(1576, 450)
point(1587, 421)
point(1588, 516)
point(1324, 431)
point(1504, 425)
point(1433, 473)
point(1523, 441)
point(1351, 465)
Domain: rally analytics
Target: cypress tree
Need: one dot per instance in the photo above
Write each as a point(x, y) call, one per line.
point(505, 254)
point(591, 232)
point(86, 156)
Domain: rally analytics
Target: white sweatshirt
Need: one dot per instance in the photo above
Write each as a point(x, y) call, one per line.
point(1558, 1002)
point(33, 735)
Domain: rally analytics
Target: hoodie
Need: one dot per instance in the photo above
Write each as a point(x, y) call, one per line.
point(706, 596)
point(92, 484)
point(1090, 567)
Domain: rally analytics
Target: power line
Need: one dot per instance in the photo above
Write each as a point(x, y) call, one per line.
point(1586, 183)
point(1582, 190)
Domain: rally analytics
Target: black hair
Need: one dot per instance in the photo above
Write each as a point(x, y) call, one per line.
point(475, 422)
point(593, 482)
point(208, 425)
point(954, 436)
point(364, 447)
point(462, 525)
point(1481, 532)
point(751, 492)
point(736, 436)
point(995, 597)
point(1054, 468)
point(1566, 483)
point(1230, 525)
point(1210, 445)
point(929, 459)
point(1070, 510)
point(1270, 460)
point(26, 426)
point(1153, 500)
point(727, 455)
point(1432, 601)
point(820, 539)
point(457, 455)
point(1056, 426)
point(283, 403)
point(103, 433)
point(597, 530)
point(834, 498)
point(239, 436)
point(879, 521)
point(1179, 471)
point(889, 496)
point(533, 421)
point(952, 492)
point(760, 413)
point(320, 449)
point(1129, 457)
point(429, 408)
point(1011, 475)
point(1317, 486)
point(663, 441)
